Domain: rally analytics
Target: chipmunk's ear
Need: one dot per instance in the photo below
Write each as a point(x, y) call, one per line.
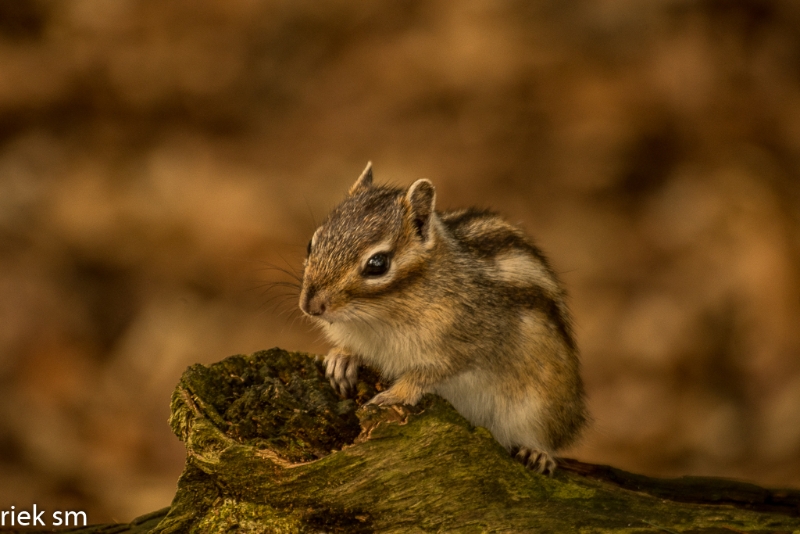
point(364, 181)
point(421, 198)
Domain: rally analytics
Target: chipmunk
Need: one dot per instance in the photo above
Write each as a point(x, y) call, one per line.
point(457, 303)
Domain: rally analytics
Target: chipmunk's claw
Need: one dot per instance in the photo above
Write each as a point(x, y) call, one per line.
point(341, 368)
point(385, 398)
point(536, 460)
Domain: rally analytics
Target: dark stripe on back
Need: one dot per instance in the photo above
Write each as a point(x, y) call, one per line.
point(534, 298)
point(489, 243)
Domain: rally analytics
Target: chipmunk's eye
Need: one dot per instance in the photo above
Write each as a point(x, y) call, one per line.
point(377, 265)
point(308, 250)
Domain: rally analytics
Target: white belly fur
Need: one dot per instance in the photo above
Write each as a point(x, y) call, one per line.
point(478, 396)
point(480, 399)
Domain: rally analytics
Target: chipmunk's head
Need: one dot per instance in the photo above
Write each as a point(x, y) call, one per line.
point(375, 243)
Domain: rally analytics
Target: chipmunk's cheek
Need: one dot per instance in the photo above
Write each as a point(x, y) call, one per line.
point(372, 286)
point(331, 317)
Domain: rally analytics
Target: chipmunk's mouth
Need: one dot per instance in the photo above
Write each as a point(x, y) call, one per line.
point(321, 310)
point(328, 317)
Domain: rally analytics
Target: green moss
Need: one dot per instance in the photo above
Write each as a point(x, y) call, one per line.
point(272, 400)
point(271, 448)
point(231, 515)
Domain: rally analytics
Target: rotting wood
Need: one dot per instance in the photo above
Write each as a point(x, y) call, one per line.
point(271, 448)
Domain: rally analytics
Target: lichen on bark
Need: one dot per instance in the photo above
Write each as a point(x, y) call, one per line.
point(272, 449)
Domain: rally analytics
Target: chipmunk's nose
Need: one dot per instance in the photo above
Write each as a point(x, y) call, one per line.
point(313, 302)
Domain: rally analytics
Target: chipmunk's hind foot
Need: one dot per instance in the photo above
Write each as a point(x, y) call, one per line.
point(536, 460)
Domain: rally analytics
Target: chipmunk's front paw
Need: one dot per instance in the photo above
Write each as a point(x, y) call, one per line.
point(400, 393)
point(539, 461)
point(341, 368)
point(386, 398)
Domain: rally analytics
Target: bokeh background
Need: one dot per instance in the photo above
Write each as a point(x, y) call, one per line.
point(159, 160)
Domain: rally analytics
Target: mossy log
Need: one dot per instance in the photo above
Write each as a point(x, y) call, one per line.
point(271, 448)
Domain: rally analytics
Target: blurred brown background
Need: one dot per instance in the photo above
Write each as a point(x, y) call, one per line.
point(156, 158)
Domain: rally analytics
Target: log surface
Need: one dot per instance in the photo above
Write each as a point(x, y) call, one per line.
point(271, 448)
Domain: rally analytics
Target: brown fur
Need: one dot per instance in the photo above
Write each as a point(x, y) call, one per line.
point(469, 309)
